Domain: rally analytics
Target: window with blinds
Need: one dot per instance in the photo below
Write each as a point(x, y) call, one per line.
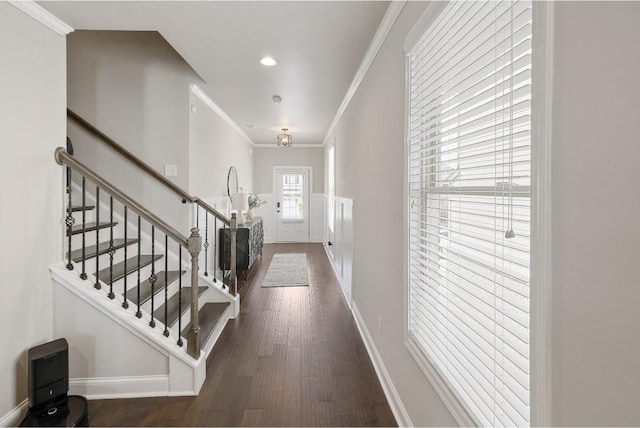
point(469, 195)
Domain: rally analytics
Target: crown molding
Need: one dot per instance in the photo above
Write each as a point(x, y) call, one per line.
point(389, 19)
point(42, 15)
point(431, 12)
point(295, 146)
point(198, 92)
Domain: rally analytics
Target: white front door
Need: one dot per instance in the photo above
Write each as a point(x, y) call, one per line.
point(292, 205)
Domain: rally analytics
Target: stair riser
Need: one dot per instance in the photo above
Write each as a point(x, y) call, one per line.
point(145, 274)
point(90, 237)
point(159, 295)
point(186, 317)
point(77, 215)
point(132, 250)
point(103, 259)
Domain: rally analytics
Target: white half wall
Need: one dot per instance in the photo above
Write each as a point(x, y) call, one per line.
point(114, 354)
point(32, 108)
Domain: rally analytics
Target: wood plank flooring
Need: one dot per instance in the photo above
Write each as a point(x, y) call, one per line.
point(293, 357)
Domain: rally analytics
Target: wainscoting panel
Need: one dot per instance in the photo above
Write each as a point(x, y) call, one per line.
point(317, 210)
point(341, 249)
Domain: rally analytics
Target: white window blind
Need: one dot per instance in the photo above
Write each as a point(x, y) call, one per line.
point(469, 215)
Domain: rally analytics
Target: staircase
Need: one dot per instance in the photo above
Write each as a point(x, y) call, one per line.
point(133, 290)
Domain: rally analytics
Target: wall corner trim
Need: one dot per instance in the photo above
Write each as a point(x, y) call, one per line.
point(389, 19)
point(541, 215)
point(12, 418)
point(399, 412)
point(43, 16)
point(198, 92)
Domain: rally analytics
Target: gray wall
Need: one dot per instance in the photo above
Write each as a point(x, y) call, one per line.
point(134, 87)
point(595, 222)
point(32, 113)
point(265, 159)
point(596, 226)
point(369, 141)
point(214, 147)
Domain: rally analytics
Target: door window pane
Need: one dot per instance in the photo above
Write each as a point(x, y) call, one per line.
point(293, 197)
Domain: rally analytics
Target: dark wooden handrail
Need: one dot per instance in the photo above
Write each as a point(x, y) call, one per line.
point(63, 158)
point(143, 166)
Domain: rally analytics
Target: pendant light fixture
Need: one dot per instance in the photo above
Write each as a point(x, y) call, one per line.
point(284, 139)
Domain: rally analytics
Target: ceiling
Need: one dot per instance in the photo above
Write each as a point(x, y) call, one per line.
point(318, 44)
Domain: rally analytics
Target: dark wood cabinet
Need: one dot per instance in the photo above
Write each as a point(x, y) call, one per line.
point(249, 242)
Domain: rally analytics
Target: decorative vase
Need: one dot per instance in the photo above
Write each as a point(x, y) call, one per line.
point(250, 214)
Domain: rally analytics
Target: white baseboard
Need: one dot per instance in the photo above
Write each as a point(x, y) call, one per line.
point(99, 388)
point(12, 419)
point(335, 271)
point(399, 412)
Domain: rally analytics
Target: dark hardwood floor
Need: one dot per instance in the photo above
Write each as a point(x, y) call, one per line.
point(293, 357)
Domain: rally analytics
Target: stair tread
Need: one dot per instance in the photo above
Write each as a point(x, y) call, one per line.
point(145, 287)
point(172, 306)
point(90, 227)
point(132, 266)
point(76, 208)
point(103, 248)
point(208, 317)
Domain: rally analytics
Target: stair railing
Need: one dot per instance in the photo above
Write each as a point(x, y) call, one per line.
point(211, 214)
point(193, 244)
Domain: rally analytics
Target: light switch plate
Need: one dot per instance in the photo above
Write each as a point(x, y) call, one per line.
point(171, 170)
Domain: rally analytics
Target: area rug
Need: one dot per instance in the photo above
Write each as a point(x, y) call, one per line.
point(287, 270)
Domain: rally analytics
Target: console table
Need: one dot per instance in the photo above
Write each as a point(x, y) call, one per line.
point(249, 242)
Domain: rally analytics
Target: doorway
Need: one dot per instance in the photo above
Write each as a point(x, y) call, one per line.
point(292, 185)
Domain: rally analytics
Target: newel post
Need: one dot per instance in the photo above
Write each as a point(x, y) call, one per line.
point(233, 226)
point(193, 341)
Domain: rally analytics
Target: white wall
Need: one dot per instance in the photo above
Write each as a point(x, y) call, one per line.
point(265, 159)
point(214, 147)
point(369, 141)
point(134, 87)
point(596, 226)
point(32, 108)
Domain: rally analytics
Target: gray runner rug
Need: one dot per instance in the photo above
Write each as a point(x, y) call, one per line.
point(287, 270)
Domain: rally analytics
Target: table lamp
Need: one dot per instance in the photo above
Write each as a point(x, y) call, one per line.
point(240, 202)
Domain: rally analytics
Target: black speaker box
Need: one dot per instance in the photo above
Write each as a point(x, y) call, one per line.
point(48, 374)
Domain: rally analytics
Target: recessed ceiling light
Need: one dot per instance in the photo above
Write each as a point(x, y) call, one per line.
point(268, 61)
point(276, 99)
point(250, 126)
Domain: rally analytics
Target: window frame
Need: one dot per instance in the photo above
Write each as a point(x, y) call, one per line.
point(540, 251)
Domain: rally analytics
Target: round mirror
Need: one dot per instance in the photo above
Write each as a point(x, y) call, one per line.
point(232, 181)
